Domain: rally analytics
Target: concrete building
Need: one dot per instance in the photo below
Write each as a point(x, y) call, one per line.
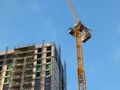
point(32, 67)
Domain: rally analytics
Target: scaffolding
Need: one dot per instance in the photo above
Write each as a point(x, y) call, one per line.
point(22, 68)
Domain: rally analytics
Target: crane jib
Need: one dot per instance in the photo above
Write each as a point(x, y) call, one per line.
point(76, 19)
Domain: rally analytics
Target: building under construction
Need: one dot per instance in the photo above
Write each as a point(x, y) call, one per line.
point(32, 67)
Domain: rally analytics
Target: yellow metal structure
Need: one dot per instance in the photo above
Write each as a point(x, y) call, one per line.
point(81, 34)
point(79, 58)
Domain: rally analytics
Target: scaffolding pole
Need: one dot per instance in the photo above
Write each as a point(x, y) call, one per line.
point(23, 73)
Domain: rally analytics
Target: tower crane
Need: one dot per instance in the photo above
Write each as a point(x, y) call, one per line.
point(81, 35)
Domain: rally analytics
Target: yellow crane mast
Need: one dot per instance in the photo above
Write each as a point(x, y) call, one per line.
point(81, 34)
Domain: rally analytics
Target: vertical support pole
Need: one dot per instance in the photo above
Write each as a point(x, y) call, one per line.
point(4, 66)
point(79, 60)
point(23, 74)
point(12, 71)
point(65, 77)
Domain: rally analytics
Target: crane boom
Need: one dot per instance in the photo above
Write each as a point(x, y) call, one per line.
point(81, 34)
point(73, 11)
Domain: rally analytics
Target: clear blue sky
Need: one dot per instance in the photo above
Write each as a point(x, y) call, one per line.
point(31, 21)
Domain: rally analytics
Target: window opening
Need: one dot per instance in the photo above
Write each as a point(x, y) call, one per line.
point(1, 62)
point(38, 68)
point(39, 50)
point(8, 73)
point(38, 61)
point(48, 66)
point(9, 66)
point(47, 73)
point(7, 80)
point(39, 55)
point(47, 86)
point(37, 74)
point(37, 82)
point(48, 80)
point(48, 54)
point(36, 87)
point(48, 60)
point(49, 48)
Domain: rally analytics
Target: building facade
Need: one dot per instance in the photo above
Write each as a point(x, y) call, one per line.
point(32, 67)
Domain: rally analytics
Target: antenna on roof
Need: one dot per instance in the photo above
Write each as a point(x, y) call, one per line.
point(43, 41)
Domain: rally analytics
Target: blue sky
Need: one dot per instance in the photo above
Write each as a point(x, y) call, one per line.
point(24, 22)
